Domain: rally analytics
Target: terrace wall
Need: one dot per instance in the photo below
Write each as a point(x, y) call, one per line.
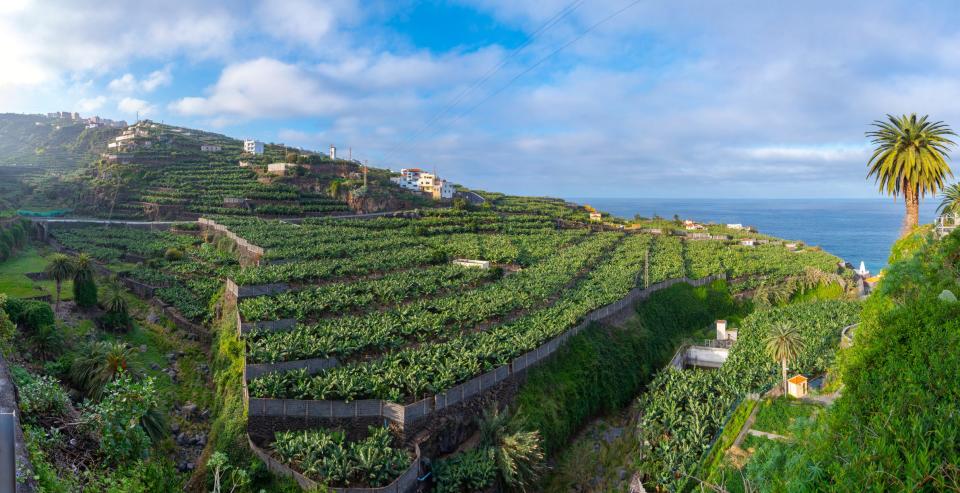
point(265, 414)
point(249, 253)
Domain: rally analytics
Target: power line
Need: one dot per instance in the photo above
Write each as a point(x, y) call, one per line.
point(554, 20)
point(542, 60)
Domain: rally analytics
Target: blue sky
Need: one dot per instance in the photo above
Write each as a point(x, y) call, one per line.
point(667, 99)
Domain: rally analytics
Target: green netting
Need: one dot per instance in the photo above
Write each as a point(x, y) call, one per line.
point(53, 213)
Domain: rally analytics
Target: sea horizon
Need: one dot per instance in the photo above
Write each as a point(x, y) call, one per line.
point(854, 229)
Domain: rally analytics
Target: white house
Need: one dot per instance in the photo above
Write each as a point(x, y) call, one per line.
point(596, 217)
point(443, 189)
point(253, 146)
point(734, 226)
point(244, 164)
point(209, 148)
point(748, 242)
point(409, 179)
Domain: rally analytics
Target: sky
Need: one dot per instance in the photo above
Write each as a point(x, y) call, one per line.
point(598, 98)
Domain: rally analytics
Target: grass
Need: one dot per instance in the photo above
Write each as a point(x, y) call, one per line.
point(15, 283)
point(779, 415)
point(713, 462)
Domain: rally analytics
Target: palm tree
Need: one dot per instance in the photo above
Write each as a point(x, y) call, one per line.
point(951, 200)
point(84, 287)
point(910, 159)
point(59, 269)
point(98, 363)
point(783, 344)
point(517, 454)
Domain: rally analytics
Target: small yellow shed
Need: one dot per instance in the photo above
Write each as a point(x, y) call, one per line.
point(797, 386)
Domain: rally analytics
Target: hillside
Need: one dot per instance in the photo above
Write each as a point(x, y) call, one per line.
point(49, 143)
point(154, 171)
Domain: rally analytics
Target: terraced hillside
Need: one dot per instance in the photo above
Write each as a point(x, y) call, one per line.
point(367, 321)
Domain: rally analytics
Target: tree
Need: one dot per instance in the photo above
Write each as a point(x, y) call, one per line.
point(59, 269)
point(783, 344)
point(99, 363)
point(84, 286)
point(517, 454)
point(115, 304)
point(951, 200)
point(910, 158)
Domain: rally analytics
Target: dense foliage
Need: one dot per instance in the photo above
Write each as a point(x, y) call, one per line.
point(327, 457)
point(894, 427)
point(683, 409)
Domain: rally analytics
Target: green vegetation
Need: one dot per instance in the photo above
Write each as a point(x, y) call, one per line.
point(603, 368)
point(327, 456)
point(892, 428)
point(682, 410)
point(910, 159)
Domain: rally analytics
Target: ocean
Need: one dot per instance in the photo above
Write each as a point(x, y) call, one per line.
point(853, 229)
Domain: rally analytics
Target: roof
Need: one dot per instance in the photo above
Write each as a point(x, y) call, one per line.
point(797, 379)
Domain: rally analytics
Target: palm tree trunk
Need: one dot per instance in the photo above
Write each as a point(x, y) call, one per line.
point(783, 370)
point(912, 201)
point(56, 304)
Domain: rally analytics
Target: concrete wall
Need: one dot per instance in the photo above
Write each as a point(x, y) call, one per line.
point(8, 403)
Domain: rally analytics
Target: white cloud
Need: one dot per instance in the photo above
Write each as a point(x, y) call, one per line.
point(808, 153)
point(128, 83)
point(87, 105)
point(263, 88)
point(132, 106)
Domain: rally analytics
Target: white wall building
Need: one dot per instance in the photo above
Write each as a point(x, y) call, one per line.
point(409, 179)
point(253, 146)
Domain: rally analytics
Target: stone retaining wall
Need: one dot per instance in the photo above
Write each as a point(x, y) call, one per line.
point(249, 253)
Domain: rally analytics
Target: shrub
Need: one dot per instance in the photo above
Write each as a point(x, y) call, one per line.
point(7, 329)
point(47, 340)
point(85, 292)
point(173, 254)
point(116, 419)
point(474, 470)
point(39, 395)
point(29, 313)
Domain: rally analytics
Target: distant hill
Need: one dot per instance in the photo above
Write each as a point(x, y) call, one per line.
point(49, 143)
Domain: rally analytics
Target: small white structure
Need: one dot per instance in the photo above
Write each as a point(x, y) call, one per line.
point(797, 386)
point(596, 217)
point(737, 226)
point(692, 225)
point(863, 270)
point(209, 148)
point(477, 264)
point(409, 179)
point(721, 330)
point(748, 242)
point(253, 146)
point(280, 168)
point(244, 164)
point(333, 152)
point(790, 246)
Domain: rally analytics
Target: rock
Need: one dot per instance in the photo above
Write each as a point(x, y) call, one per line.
point(190, 466)
point(182, 439)
point(189, 409)
point(171, 356)
point(73, 442)
point(154, 366)
point(621, 474)
point(948, 296)
point(174, 428)
point(201, 439)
